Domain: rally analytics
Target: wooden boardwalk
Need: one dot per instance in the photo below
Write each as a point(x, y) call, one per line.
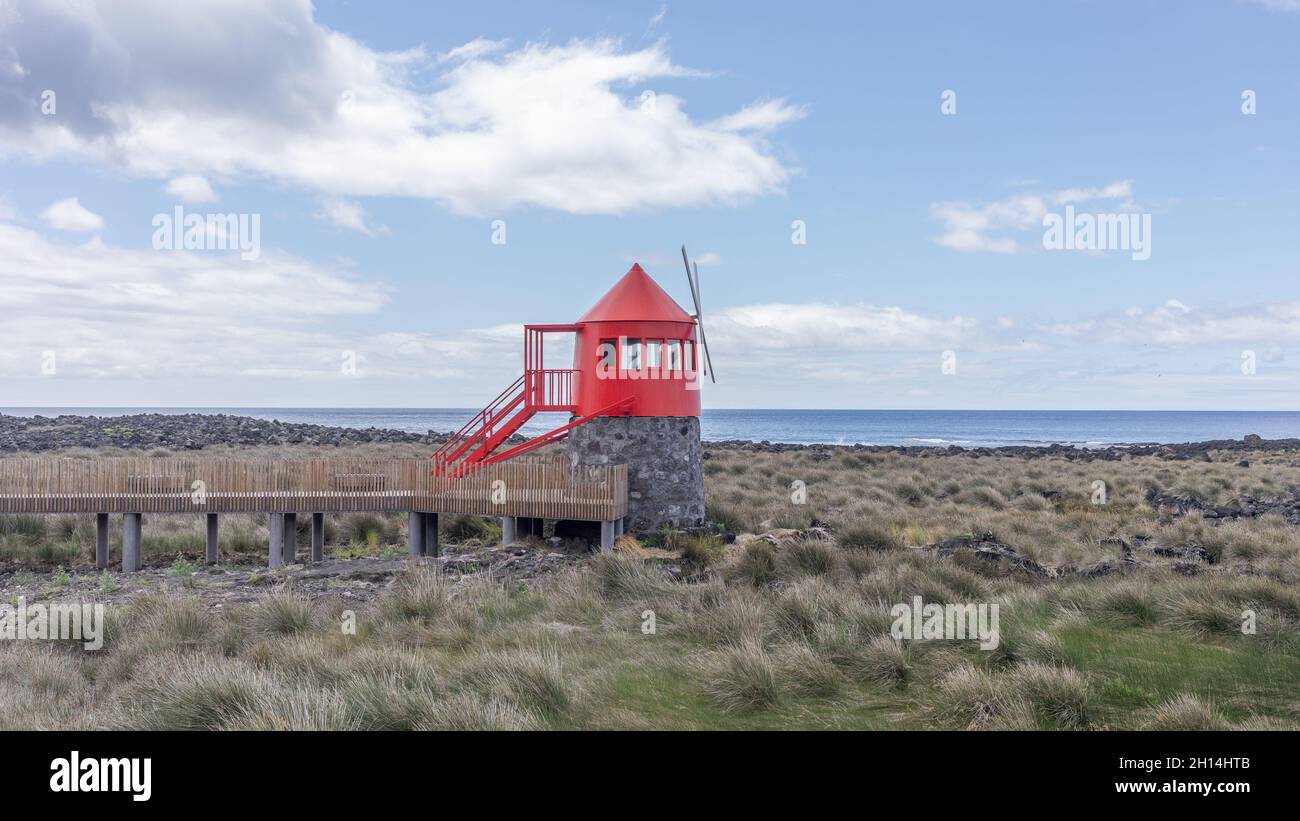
point(284, 488)
point(545, 490)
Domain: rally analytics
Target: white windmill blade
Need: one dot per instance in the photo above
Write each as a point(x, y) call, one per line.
point(695, 294)
point(690, 281)
point(699, 318)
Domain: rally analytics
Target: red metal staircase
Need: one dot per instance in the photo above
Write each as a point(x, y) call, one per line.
point(538, 390)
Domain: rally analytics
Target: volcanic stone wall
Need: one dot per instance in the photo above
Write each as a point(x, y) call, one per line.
point(665, 466)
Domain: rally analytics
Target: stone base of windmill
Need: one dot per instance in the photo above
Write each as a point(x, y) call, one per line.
point(665, 466)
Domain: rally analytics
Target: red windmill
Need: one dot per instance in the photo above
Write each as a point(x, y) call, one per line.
point(634, 354)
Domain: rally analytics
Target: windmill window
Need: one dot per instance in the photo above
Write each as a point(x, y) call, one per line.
point(631, 354)
point(674, 355)
point(688, 356)
point(653, 348)
point(607, 357)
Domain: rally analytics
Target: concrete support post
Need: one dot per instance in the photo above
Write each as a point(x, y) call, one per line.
point(290, 537)
point(618, 526)
point(318, 537)
point(606, 537)
point(430, 534)
point(415, 533)
point(101, 540)
point(507, 530)
point(131, 526)
point(213, 546)
point(275, 524)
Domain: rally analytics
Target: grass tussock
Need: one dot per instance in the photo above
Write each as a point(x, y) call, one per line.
point(1184, 712)
point(756, 565)
point(1030, 696)
point(468, 711)
point(534, 679)
point(743, 677)
point(284, 613)
point(808, 558)
point(420, 594)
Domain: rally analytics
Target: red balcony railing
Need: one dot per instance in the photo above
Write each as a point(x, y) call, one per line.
point(551, 389)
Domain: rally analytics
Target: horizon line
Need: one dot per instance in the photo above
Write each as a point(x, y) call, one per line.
point(472, 408)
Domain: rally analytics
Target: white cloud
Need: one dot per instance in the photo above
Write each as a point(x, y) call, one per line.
point(1178, 325)
point(824, 341)
point(483, 130)
point(1116, 190)
point(985, 227)
point(817, 326)
point(967, 227)
point(479, 47)
point(659, 16)
point(185, 321)
point(1279, 5)
point(114, 312)
point(708, 258)
point(763, 116)
point(70, 215)
point(349, 214)
point(109, 311)
point(191, 189)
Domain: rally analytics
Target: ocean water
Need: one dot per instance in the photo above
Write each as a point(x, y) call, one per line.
point(939, 428)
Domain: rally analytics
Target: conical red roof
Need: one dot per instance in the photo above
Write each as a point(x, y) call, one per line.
point(637, 298)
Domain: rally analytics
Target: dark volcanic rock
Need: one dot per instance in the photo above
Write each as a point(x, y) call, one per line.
point(186, 431)
point(1203, 451)
point(1243, 507)
point(986, 546)
point(665, 482)
point(195, 431)
point(1190, 552)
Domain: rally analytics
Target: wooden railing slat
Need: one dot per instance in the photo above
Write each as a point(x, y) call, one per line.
point(543, 488)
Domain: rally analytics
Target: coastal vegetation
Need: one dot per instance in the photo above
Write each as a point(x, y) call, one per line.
point(1124, 610)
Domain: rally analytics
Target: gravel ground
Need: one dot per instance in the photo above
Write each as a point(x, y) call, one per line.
point(358, 579)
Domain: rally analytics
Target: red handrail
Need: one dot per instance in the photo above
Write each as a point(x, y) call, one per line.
point(536, 389)
point(551, 387)
point(488, 432)
point(554, 435)
point(479, 420)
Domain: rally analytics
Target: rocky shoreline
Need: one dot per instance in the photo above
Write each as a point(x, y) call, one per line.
point(1212, 450)
point(189, 431)
point(196, 431)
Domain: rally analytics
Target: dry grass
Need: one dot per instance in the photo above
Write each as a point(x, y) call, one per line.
point(1185, 712)
point(791, 632)
point(743, 677)
point(1042, 507)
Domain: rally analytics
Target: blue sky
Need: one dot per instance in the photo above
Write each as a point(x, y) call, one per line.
point(378, 142)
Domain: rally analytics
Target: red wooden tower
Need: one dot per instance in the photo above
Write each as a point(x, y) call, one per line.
point(634, 358)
